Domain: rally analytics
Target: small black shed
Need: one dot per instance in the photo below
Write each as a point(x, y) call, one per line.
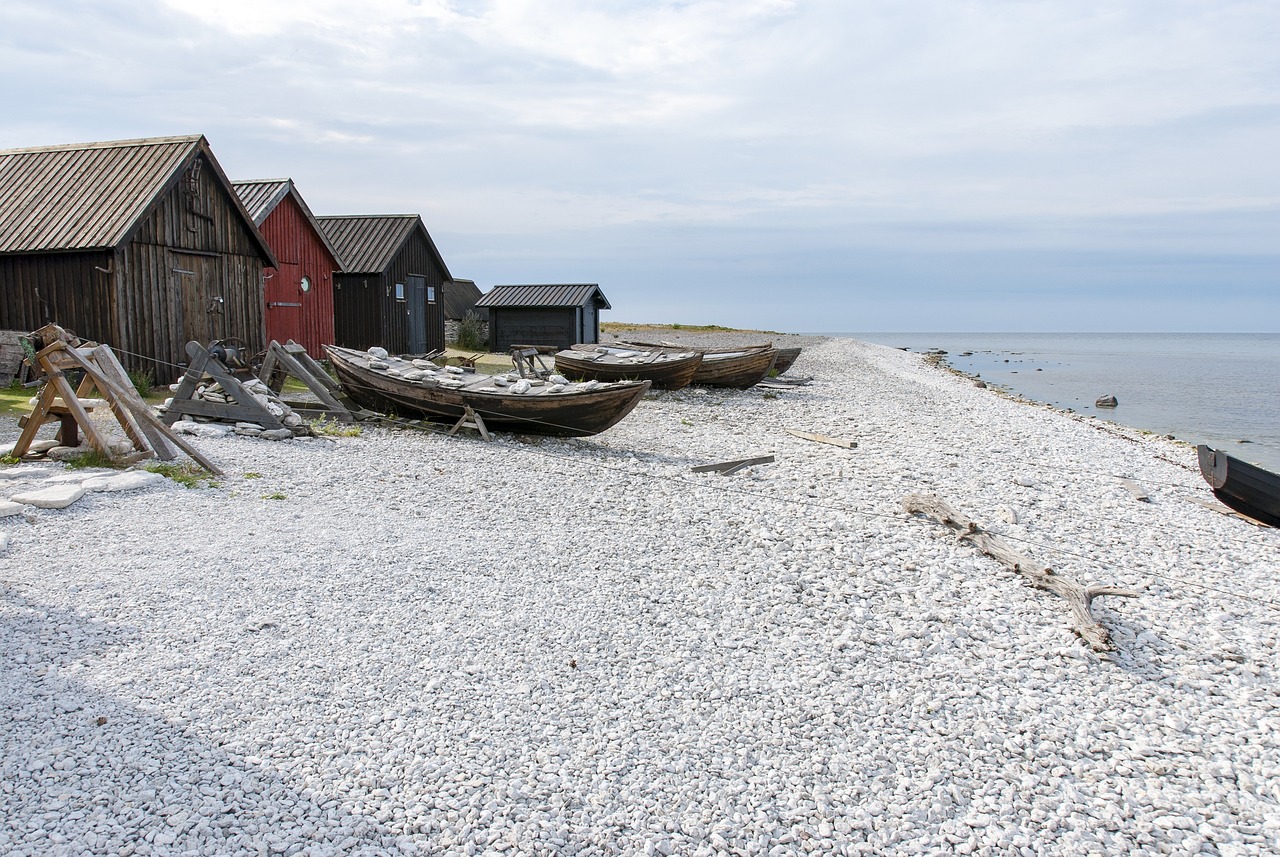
point(558, 315)
point(390, 290)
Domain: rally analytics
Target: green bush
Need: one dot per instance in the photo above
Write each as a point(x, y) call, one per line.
point(471, 335)
point(142, 380)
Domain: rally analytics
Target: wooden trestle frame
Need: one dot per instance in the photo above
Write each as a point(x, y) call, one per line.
point(104, 374)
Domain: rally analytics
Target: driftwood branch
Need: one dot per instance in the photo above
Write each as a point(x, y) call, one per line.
point(1079, 597)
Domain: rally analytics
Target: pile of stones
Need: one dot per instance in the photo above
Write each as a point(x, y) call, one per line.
point(202, 426)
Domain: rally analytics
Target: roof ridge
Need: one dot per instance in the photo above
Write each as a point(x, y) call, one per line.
point(106, 144)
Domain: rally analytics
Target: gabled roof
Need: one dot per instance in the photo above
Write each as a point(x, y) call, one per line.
point(548, 295)
point(458, 297)
point(93, 196)
point(261, 196)
point(368, 242)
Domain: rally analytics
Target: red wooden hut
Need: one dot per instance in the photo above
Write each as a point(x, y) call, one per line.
point(299, 293)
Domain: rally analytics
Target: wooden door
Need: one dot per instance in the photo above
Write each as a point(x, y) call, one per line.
point(197, 283)
point(417, 288)
point(285, 294)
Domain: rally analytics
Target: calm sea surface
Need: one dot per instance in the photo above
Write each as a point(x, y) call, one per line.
point(1215, 388)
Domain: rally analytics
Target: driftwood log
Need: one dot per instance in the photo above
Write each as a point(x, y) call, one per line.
point(1079, 597)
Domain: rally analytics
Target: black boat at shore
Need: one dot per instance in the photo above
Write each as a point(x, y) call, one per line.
point(1245, 487)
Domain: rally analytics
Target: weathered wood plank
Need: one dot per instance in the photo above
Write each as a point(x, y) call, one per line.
point(1138, 492)
point(732, 466)
point(822, 438)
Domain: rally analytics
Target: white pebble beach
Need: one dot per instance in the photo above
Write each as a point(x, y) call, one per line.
point(408, 643)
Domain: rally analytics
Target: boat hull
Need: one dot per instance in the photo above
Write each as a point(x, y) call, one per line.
point(740, 370)
point(565, 414)
point(786, 357)
point(1245, 487)
point(664, 374)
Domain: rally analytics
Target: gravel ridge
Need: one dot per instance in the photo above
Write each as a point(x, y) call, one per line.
point(537, 646)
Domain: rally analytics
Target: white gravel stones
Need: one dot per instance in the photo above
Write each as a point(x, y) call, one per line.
point(777, 662)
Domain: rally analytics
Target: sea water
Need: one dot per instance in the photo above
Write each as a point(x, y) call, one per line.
point(1222, 389)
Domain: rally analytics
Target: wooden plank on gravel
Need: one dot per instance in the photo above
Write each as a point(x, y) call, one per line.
point(1138, 492)
point(822, 438)
point(1223, 509)
point(731, 467)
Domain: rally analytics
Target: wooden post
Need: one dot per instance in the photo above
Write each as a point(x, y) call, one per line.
point(470, 419)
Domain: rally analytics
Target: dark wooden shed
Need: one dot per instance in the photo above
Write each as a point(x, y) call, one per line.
point(299, 293)
point(388, 292)
point(558, 315)
point(139, 244)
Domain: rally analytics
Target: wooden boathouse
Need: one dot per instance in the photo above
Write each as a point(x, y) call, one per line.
point(389, 291)
point(558, 315)
point(139, 244)
point(298, 293)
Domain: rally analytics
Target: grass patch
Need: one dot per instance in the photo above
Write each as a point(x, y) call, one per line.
point(622, 326)
point(332, 428)
point(274, 495)
point(92, 458)
point(14, 398)
point(252, 475)
point(186, 475)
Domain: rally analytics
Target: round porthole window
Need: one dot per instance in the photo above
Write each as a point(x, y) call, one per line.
point(306, 284)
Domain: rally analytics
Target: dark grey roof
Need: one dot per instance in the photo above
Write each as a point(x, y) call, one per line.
point(458, 297)
point(368, 242)
point(261, 196)
point(548, 295)
point(89, 196)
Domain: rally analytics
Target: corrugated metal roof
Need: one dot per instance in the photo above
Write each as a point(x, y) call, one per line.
point(547, 295)
point(261, 196)
point(458, 297)
point(84, 196)
point(368, 243)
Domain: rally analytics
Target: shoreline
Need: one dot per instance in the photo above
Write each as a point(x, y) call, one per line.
point(428, 644)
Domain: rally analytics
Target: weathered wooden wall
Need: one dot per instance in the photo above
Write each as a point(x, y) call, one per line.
point(70, 289)
point(191, 270)
point(532, 326)
point(366, 312)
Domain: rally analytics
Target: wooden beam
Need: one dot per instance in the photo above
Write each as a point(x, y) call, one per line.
point(730, 467)
point(1135, 489)
point(822, 438)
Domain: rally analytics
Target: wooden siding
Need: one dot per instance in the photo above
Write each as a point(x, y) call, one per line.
point(146, 307)
point(511, 326)
point(366, 312)
point(300, 252)
point(71, 289)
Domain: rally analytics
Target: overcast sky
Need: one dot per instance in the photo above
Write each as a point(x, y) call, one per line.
point(800, 165)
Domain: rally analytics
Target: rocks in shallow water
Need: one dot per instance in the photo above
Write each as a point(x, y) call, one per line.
point(979, 383)
point(1107, 401)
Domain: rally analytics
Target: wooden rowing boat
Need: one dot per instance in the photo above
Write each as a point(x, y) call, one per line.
point(740, 368)
point(665, 369)
point(525, 406)
point(786, 357)
point(1245, 487)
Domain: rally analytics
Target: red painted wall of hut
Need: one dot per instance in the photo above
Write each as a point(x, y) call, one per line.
point(304, 315)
